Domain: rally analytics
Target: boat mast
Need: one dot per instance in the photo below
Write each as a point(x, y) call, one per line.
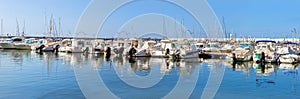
point(46, 24)
point(175, 22)
point(164, 25)
point(18, 31)
point(23, 33)
point(1, 27)
point(193, 33)
point(296, 33)
point(54, 28)
point(51, 28)
point(182, 30)
point(224, 27)
point(59, 26)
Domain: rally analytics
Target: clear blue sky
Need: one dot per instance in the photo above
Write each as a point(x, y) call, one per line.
point(33, 12)
point(274, 18)
point(257, 18)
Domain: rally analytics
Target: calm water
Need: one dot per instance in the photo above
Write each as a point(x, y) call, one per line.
point(26, 74)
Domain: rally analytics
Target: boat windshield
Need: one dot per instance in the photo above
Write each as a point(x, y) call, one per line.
point(173, 45)
point(262, 47)
point(238, 51)
point(40, 41)
point(28, 41)
point(212, 45)
point(199, 46)
point(244, 45)
point(8, 40)
point(17, 40)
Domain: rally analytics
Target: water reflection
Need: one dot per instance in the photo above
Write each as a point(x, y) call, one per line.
point(292, 71)
point(9, 57)
point(264, 72)
point(242, 67)
point(42, 74)
point(289, 69)
point(56, 70)
point(141, 66)
point(186, 67)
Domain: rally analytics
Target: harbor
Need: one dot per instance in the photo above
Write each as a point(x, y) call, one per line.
point(51, 63)
point(149, 49)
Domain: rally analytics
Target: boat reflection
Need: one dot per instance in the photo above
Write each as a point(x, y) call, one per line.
point(166, 66)
point(14, 58)
point(264, 73)
point(186, 67)
point(141, 65)
point(242, 67)
point(290, 70)
point(144, 65)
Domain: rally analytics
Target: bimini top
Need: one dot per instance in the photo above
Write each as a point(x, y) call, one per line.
point(290, 43)
point(265, 41)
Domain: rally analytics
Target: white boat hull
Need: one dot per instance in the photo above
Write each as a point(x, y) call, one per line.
point(185, 54)
point(22, 46)
point(289, 59)
point(7, 46)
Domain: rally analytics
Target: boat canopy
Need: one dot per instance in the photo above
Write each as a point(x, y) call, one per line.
point(265, 41)
point(290, 43)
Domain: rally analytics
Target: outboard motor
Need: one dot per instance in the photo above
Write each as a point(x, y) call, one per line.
point(108, 52)
point(177, 54)
point(262, 58)
point(40, 48)
point(167, 52)
point(132, 51)
point(56, 47)
point(234, 58)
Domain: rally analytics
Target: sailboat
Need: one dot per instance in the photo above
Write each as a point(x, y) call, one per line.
point(26, 43)
point(17, 42)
